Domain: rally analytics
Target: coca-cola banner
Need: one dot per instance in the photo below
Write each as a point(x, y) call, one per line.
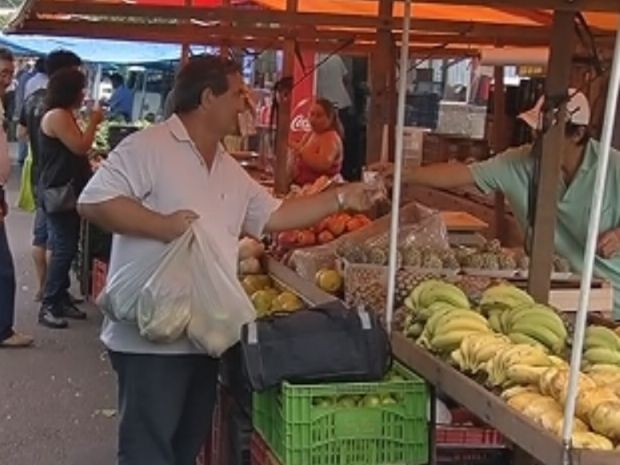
point(303, 95)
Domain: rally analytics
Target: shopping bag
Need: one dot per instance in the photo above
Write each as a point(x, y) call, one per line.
point(220, 306)
point(26, 196)
point(164, 302)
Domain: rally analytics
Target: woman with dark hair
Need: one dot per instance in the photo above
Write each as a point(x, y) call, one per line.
point(320, 152)
point(64, 172)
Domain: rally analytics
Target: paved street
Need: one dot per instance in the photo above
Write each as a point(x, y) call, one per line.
point(57, 399)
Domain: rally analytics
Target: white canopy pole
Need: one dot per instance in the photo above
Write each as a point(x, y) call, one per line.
point(593, 232)
point(398, 163)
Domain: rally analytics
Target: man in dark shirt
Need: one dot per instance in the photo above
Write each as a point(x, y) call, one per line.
point(28, 129)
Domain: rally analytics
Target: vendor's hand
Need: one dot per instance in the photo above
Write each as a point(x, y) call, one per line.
point(360, 197)
point(609, 243)
point(177, 223)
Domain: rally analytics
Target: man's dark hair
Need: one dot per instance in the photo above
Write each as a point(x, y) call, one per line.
point(117, 80)
point(64, 89)
point(201, 73)
point(61, 59)
point(39, 65)
point(6, 54)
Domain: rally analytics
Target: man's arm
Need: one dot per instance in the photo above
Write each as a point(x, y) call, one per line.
point(128, 217)
point(303, 212)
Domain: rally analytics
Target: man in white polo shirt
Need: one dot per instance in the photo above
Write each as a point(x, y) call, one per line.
point(153, 185)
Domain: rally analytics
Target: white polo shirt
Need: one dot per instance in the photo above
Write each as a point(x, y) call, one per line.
point(161, 167)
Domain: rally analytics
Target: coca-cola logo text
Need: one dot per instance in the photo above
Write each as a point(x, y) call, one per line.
point(300, 123)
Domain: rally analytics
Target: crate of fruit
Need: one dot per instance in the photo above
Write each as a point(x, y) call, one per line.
point(347, 423)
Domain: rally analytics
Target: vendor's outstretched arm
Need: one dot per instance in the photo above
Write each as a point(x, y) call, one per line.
point(440, 175)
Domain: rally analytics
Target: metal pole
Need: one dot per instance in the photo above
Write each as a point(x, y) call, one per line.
point(593, 228)
point(398, 163)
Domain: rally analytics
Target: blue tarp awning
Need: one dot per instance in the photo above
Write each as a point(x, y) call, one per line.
point(93, 50)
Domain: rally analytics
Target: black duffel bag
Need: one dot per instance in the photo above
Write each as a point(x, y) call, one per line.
point(329, 343)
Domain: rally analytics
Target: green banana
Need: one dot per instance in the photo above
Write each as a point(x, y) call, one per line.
point(550, 321)
point(520, 338)
point(444, 292)
point(495, 322)
point(462, 314)
point(427, 312)
point(420, 288)
point(461, 324)
point(431, 323)
point(601, 355)
point(542, 334)
point(414, 330)
point(600, 336)
point(410, 304)
point(505, 295)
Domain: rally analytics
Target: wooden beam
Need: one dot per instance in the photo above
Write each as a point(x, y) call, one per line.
point(558, 80)
point(197, 36)
point(559, 5)
point(246, 17)
point(282, 181)
point(381, 61)
point(500, 143)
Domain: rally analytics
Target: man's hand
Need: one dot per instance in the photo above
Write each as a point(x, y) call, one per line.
point(609, 243)
point(177, 223)
point(361, 197)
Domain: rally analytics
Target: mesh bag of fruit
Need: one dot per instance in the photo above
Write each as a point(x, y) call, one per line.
point(419, 225)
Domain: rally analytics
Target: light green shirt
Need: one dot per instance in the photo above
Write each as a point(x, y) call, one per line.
point(511, 172)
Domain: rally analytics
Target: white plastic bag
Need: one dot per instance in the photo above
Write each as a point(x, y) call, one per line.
point(119, 298)
point(164, 303)
point(220, 306)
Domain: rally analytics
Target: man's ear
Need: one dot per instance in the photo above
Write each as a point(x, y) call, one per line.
point(206, 98)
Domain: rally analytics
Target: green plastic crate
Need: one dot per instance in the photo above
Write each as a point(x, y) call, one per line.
point(303, 429)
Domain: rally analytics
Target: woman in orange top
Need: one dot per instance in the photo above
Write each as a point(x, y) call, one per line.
point(320, 151)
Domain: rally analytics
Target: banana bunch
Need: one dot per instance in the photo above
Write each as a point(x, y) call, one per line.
point(605, 419)
point(543, 410)
point(445, 330)
point(496, 299)
point(588, 440)
point(477, 349)
point(518, 364)
point(431, 292)
point(605, 376)
point(532, 324)
point(602, 346)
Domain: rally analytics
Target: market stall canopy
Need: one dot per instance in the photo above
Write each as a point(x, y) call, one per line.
point(319, 24)
point(93, 51)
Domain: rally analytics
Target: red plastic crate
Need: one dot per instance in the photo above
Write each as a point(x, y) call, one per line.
point(474, 457)
point(260, 453)
point(99, 276)
point(470, 436)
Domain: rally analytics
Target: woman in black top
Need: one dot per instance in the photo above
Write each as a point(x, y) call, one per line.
point(63, 148)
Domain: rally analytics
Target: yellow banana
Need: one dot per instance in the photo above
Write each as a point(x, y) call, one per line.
point(509, 393)
point(588, 440)
point(525, 374)
point(420, 289)
point(495, 322)
point(605, 419)
point(431, 323)
point(449, 341)
point(462, 324)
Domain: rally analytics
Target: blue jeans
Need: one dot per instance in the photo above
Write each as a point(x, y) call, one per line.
point(22, 151)
point(7, 287)
point(64, 230)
